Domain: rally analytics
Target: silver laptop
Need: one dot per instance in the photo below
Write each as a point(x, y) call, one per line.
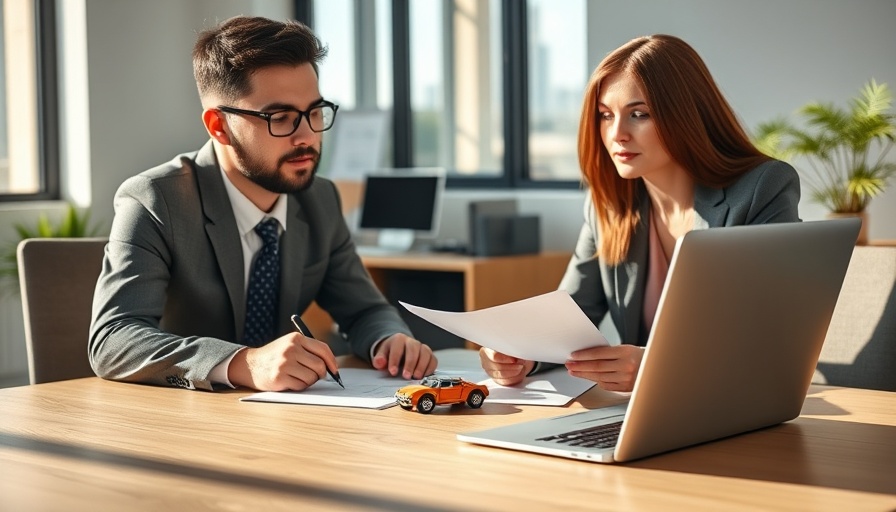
point(737, 335)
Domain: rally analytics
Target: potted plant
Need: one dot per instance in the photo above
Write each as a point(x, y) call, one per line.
point(74, 224)
point(844, 150)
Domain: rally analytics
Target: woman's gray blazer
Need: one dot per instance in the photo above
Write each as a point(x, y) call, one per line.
point(767, 194)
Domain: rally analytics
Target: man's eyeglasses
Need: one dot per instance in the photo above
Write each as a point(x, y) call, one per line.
point(283, 123)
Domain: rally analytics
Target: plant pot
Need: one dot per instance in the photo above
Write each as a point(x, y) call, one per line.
point(863, 231)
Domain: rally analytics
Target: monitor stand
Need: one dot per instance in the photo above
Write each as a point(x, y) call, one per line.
point(397, 240)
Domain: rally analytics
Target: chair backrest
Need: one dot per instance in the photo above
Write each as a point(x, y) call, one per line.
point(57, 278)
point(860, 348)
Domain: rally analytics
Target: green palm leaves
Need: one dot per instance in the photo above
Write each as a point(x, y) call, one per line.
point(845, 149)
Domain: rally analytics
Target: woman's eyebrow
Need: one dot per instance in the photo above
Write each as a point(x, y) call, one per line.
point(636, 103)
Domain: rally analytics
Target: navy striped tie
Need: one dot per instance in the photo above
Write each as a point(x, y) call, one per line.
point(262, 294)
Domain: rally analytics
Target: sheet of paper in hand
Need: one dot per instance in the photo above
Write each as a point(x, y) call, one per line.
point(547, 327)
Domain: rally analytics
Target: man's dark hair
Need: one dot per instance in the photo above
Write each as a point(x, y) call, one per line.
point(225, 57)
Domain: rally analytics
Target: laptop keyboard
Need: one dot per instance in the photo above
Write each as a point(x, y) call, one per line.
point(601, 436)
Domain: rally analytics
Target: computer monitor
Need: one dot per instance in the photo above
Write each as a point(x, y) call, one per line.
point(402, 204)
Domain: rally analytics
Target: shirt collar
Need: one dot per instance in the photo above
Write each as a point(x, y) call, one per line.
point(247, 214)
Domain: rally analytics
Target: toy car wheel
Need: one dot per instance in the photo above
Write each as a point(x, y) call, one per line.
point(426, 404)
point(406, 407)
point(475, 399)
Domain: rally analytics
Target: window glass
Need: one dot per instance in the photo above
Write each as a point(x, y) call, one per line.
point(19, 164)
point(384, 54)
point(427, 80)
point(333, 22)
point(357, 73)
point(456, 93)
point(4, 143)
point(558, 72)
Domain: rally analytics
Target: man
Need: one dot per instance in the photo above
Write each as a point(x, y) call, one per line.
point(211, 253)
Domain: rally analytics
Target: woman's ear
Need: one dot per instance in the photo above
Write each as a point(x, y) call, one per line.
point(215, 125)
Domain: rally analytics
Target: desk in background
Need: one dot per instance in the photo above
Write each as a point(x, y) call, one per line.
point(90, 444)
point(467, 283)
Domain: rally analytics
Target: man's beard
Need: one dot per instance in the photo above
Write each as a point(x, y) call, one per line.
point(271, 179)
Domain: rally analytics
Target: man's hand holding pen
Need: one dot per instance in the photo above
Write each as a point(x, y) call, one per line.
point(296, 361)
point(290, 363)
point(304, 331)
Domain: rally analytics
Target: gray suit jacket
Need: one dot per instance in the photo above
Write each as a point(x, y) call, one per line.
point(170, 301)
point(769, 193)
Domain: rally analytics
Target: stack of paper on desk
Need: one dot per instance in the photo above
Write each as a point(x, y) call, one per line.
point(372, 389)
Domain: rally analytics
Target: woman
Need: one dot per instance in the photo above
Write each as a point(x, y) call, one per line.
point(662, 153)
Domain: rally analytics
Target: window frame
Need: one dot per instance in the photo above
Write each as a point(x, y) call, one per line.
point(514, 37)
point(47, 106)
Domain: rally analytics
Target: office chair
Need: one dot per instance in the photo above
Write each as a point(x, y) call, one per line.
point(860, 348)
point(57, 278)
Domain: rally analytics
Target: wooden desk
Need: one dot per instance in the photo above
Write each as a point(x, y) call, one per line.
point(90, 444)
point(487, 281)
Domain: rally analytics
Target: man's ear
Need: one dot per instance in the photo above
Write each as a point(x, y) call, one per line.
point(216, 126)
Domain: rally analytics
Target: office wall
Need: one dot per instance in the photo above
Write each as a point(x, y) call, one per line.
point(130, 102)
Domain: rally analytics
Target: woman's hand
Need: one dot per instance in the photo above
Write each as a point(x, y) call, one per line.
point(503, 369)
point(614, 368)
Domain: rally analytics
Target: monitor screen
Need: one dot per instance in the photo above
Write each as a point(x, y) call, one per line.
point(402, 199)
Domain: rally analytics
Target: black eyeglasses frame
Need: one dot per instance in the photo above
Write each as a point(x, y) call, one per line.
point(267, 116)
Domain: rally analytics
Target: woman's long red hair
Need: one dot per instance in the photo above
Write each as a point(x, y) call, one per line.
point(694, 121)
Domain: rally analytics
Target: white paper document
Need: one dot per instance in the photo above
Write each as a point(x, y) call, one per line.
point(554, 387)
point(546, 327)
point(365, 388)
point(373, 389)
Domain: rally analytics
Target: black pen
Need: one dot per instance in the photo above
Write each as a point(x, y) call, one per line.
point(304, 331)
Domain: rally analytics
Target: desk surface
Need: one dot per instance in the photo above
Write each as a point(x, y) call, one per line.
point(90, 444)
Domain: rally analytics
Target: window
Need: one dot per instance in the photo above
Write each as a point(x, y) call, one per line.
point(357, 72)
point(337, 74)
point(28, 152)
point(557, 78)
point(456, 98)
point(383, 54)
point(428, 88)
point(473, 87)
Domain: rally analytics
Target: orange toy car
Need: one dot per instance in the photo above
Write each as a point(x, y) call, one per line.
point(433, 391)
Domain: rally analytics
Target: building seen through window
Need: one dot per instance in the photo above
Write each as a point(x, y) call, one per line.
point(456, 81)
point(19, 168)
point(557, 77)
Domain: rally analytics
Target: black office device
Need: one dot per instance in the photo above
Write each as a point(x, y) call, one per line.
point(402, 204)
point(504, 235)
point(496, 229)
point(479, 209)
